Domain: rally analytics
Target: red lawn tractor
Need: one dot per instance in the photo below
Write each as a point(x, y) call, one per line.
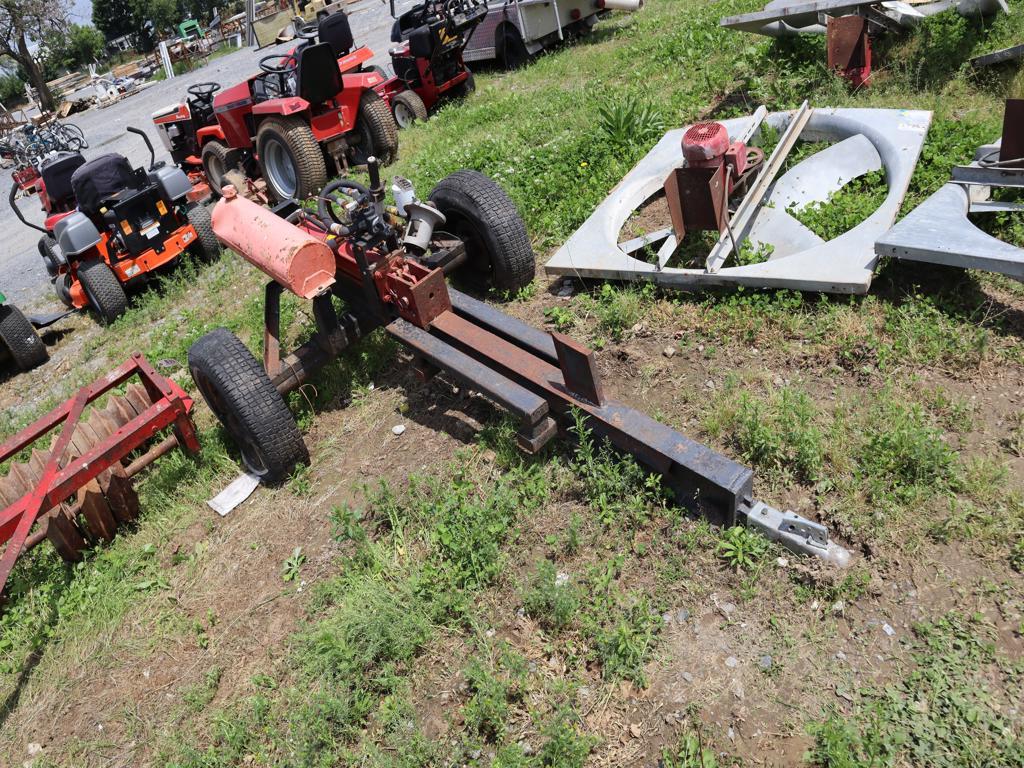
point(312, 106)
point(428, 62)
point(109, 226)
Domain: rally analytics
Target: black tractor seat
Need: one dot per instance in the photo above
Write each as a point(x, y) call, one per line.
point(101, 177)
point(57, 172)
point(336, 32)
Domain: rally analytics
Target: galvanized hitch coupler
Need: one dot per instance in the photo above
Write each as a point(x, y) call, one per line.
point(388, 267)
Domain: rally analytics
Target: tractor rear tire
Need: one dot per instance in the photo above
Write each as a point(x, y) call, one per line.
point(105, 293)
point(291, 160)
point(407, 107)
point(253, 413)
point(48, 250)
point(22, 342)
point(480, 213)
point(217, 161)
point(377, 132)
point(206, 246)
point(512, 51)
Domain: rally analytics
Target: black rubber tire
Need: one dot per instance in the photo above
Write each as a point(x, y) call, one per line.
point(511, 49)
point(466, 88)
point(377, 131)
point(106, 295)
point(48, 250)
point(217, 161)
point(306, 156)
point(62, 287)
point(22, 342)
point(253, 413)
point(206, 246)
point(407, 108)
point(482, 215)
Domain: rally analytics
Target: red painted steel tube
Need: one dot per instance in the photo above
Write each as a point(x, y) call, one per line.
point(300, 262)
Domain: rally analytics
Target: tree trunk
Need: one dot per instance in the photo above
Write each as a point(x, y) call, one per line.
point(35, 75)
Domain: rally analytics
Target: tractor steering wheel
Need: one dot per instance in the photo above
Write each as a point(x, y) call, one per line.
point(203, 91)
point(308, 30)
point(278, 64)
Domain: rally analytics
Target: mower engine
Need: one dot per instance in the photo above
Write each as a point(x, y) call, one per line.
point(715, 169)
point(177, 132)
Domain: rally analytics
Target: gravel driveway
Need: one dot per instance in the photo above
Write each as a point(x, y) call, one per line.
point(22, 276)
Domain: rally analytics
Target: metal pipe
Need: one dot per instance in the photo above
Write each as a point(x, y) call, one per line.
point(162, 448)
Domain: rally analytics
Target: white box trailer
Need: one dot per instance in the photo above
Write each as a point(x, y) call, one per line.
point(514, 30)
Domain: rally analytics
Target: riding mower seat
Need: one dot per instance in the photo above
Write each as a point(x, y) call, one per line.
point(57, 172)
point(202, 111)
point(100, 179)
point(318, 74)
point(336, 32)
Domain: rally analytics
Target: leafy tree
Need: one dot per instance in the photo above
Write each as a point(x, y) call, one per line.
point(85, 44)
point(114, 18)
point(22, 21)
point(12, 88)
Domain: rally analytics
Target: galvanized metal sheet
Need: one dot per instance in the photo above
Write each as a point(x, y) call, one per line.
point(788, 18)
point(842, 265)
point(824, 173)
point(939, 232)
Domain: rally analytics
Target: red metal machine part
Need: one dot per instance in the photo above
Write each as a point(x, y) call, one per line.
point(539, 378)
point(86, 462)
point(698, 192)
point(849, 48)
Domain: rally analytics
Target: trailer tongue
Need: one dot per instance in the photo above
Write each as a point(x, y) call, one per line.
point(388, 266)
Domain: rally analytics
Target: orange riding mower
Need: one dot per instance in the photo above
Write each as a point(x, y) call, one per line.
point(109, 226)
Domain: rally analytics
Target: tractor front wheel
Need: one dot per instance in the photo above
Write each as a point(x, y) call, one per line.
point(217, 161)
point(291, 160)
point(48, 250)
point(378, 134)
point(206, 245)
point(408, 107)
point(479, 213)
point(105, 293)
point(241, 395)
point(20, 338)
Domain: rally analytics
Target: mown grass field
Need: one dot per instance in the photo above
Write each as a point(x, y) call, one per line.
point(440, 599)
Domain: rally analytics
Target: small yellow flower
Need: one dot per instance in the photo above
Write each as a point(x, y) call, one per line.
point(583, 164)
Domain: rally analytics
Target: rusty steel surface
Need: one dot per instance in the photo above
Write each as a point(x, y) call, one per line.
point(418, 293)
point(532, 409)
point(697, 199)
point(1012, 145)
point(849, 48)
point(699, 476)
point(84, 461)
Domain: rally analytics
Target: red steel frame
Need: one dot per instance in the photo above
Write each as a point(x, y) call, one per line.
point(170, 406)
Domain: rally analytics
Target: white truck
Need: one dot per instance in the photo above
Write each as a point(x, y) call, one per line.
point(515, 30)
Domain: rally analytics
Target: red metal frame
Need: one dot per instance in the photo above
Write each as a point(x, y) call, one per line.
point(170, 406)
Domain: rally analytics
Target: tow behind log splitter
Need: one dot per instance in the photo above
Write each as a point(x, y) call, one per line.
point(388, 266)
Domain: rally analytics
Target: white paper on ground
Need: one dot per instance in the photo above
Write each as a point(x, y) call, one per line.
point(239, 490)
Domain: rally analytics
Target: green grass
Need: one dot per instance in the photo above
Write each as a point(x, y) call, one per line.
point(946, 711)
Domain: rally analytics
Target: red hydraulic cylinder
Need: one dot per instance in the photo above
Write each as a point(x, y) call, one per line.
point(293, 257)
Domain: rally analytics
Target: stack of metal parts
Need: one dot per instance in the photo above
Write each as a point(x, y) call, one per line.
point(938, 231)
point(761, 216)
point(850, 24)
